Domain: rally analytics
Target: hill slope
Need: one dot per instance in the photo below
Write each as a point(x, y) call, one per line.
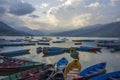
point(6, 30)
point(33, 32)
point(106, 30)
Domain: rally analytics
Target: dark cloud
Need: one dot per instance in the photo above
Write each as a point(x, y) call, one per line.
point(3, 1)
point(21, 9)
point(12, 20)
point(44, 12)
point(2, 10)
point(33, 16)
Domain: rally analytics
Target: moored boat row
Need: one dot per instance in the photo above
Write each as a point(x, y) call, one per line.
point(15, 53)
point(63, 70)
point(11, 65)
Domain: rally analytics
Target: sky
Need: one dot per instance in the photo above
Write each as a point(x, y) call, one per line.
point(58, 15)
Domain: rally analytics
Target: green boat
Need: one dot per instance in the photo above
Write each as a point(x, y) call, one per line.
point(10, 65)
point(34, 73)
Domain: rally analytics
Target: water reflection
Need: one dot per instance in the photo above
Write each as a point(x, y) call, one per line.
point(86, 58)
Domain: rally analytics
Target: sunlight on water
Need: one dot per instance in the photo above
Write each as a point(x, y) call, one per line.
point(86, 58)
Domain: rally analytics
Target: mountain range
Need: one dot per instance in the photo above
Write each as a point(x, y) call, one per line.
point(6, 30)
point(30, 31)
point(98, 30)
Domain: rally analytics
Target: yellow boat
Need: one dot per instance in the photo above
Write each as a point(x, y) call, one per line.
point(72, 69)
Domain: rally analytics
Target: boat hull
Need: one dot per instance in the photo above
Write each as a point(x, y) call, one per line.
point(15, 53)
point(72, 69)
point(62, 63)
point(92, 71)
point(109, 76)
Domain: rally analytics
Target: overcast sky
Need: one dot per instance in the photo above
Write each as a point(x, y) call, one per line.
point(58, 14)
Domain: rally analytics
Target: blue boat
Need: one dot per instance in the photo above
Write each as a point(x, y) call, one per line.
point(78, 43)
point(51, 53)
point(117, 49)
point(88, 49)
point(43, 43)
point(44, 40)
point(109, 76)
point(108, 46)
point(16, 44)
point(15, 53)
point(38, 50)
point(92, 71)
point(17, 40)
point(67, 50)
point(52, 48)
point(106, 41)
point(58, 41)
point(83, 40)
point(62, 63)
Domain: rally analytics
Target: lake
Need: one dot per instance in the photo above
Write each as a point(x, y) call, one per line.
point(86, 58)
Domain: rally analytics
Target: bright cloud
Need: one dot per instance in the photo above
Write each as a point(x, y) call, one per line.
point(62, 0)
point(81, 20)
point(70, 2)
point(52, 18)
point(43, 5)
point(95, 5)
point(118, 19)
point(112, 2)
point(58, 14)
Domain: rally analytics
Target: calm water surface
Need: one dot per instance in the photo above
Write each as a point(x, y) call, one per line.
point(86, 58)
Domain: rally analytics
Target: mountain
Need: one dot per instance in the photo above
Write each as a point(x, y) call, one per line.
point(106, 30)
point(6, 30)
point(33, 32)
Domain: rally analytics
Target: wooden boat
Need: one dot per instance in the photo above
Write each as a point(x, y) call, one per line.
point(108, 46)
point(42, 75)
point(74, 54)
point(78, 43)
point(67, 50)
point(109, 76)
point(117, 49)
point(83, 40)
point(50, 74)
point(58, 41)
point(51, 48)
point(38, 50)
point(106, 41)
point(62, 63)
point(46, 73)
point(52, 53)
point(92, 71)
point(64, 39)
point(15, 53)
point(16, 44)
point(57, 76)
point(88, 49)
point(43, 43)
point(44, 40)
point(30, 74)
point(16, 40)
point(23, 75)
point(11, 65)
point(72, 69)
